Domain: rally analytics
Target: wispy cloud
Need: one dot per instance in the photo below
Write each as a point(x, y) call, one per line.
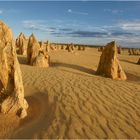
point(130, 25)
point(39, 25)
point(9, 11)
point(84, 33)
point(76, 12)
point(125, 32)
point(114, 11)
point(97, 34)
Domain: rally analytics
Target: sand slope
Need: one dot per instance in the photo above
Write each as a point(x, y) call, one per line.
point(68, 100)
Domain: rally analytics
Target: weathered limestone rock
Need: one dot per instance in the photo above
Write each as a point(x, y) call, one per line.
point(137, 52)
point(32, 49)
point(59, 47)
point(79, 48)
point(134, 51)
point(109, 65)
point(130, 51)
point(53, 47)
point(21, 43)
point(100, 49)
point(64, 47)
point(42, 60)
point(70, 47)
point(48, 46)
point(76, 47)
point(42, 46)
point(119, 50)
point(11, 85)
point(138, 61)
point(83, 48)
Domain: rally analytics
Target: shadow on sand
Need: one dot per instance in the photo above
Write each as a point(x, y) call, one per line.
point(22, 59)
point(40, 108)
point(132, 77)
point(73, 66)
point(123, 60)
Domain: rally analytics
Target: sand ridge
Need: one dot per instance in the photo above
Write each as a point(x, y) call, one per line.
point(68, 100)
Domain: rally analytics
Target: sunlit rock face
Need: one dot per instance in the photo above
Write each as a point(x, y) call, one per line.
point(70, 47)
point(48, 44)
point(119, 50)
point(138, 61)
point(11, 85)
point(42, 60)
point(134, 51)
point(42, 46)
point(21, 44)
point(32, 49)
point(109, 64)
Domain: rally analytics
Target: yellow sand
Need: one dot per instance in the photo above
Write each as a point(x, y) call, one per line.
point(67, 100)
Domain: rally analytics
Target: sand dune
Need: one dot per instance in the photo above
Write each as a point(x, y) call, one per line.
point(67, 100)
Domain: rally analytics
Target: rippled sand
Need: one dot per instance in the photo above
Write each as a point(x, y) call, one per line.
point(68, 100)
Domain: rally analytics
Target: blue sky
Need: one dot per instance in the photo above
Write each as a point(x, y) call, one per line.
point(84, 22)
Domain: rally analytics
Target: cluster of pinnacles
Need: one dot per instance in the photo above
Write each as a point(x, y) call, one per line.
point(21, 44)
point(37, 53)
point(11, 86)
point(69, 47)
point(133, 51)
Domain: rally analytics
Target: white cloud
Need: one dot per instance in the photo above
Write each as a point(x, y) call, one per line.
point(114, 11)
point(39, 25)
point(76, 12)
point(126, 33)
point(130, 26)
point(33, 21)
point(69, 10)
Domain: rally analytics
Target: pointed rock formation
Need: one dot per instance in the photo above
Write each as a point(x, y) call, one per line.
point(64, 47)
point(109, 65)
point(42, 60)
point(100, 49)
point(11, 85)
point(130, 51)
point(59, 46)
point(21, 43)
point(119, 50)
point(53, 47)
point(48, 44)
point(70, 47)
point(81, 48)
point(42, 46)
point(76, 47)
point(138, 62)
point(134, 51)
point(32, 49)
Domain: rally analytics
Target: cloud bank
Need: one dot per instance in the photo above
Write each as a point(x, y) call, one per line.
point(125, 32)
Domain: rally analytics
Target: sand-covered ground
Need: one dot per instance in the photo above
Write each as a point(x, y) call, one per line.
point(67, 100)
